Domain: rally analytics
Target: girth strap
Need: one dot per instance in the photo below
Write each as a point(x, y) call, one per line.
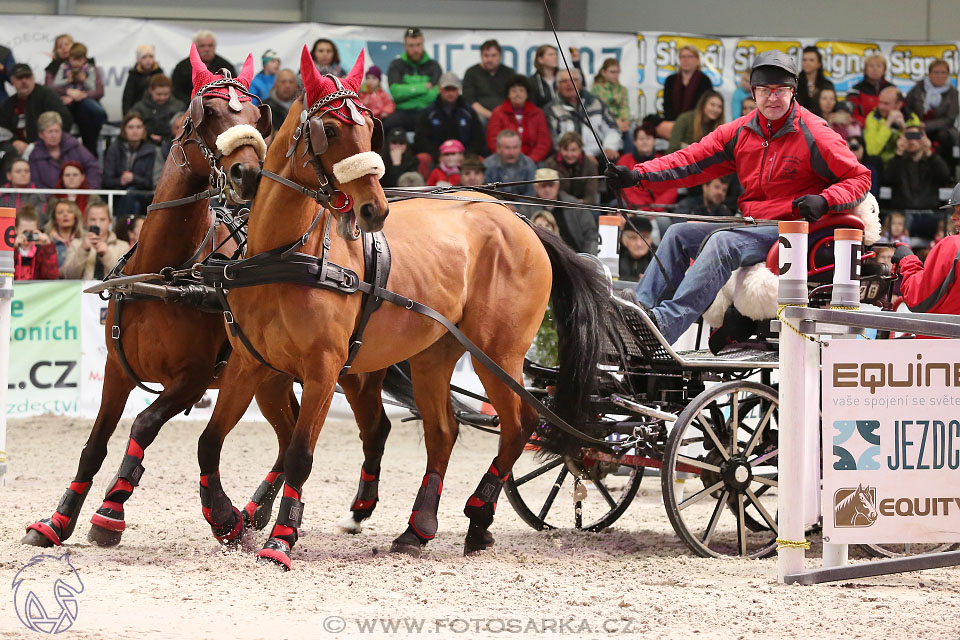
point(376, 257)
point(118, 346)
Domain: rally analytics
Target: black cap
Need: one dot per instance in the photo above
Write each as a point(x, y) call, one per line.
point(397, 134)
point(954, 198)
point(21, 70)
point(413, 32)
point(773, 67)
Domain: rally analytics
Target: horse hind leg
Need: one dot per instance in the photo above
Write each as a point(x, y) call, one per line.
point(363, 392)
point(57, 528)
point(108, 523)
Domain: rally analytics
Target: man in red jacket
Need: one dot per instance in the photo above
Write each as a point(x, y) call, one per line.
point(929, 287)
point(790, 164)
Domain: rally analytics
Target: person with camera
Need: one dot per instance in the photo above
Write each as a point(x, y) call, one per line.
point(915, 174)
point(93, 255)
point(886, 122)
point(34, 256)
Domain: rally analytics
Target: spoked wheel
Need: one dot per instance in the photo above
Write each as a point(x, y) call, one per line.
point(719, 472)
point(907, 549)
point(562, 492)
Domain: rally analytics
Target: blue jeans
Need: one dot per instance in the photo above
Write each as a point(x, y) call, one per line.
point(698, 284)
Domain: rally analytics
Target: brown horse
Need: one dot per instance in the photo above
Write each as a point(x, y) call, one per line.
point(478, 264)
point(172, 344)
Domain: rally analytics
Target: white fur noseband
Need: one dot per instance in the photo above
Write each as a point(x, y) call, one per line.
point(238, 136)
point(359, 165)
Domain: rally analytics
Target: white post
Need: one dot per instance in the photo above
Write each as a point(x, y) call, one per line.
point(610, 243)
point(793, 407)
point(8, 234)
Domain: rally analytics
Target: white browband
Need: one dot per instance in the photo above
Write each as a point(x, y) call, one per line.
point(359, 165)
point(238, 136)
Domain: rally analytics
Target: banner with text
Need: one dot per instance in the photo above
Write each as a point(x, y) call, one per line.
point(891, 441)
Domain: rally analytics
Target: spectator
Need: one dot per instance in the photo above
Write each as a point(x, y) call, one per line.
point(885, 123)
point(521, 115)
point(447, 172)
point(485, 84)
point(80, 86)
point(471, 171)
point(262, 82)
point(134, 226)
point(61, 51)
point(19, 112)
point(543, 81)
point(577, 227)
point(140, 76)
point(859, 149)
point(6, 65)
point(682, 89)
point(812, 80)
point(747, 105)
point(636, 248)
point(865, 95)
point(709, 202)
point(157, 107)
point(915, 174)
point(607, 87)
point(545, 219)
point(571, 162)
point(34, 257)
point(64, 227)
point(564, 114)
point(72, 176)
point(509, 164)
point(134, 164)
point(53, 148)
point(92, 256)
point(692, 125)
point(838, 116)
point(644, 141)
point(282, 95)
point(411, 179)
point(18, 177)
point(398, 158)
point(182, 76)
point(936, 101)
point(448, 118)
point(375, 96)
point(895, 228)
point(413, 78)
point(740, 95)
point(326, 57)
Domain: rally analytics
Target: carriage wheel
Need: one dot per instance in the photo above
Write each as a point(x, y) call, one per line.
point(561, 492)
point(892, 550)
point(719, 472)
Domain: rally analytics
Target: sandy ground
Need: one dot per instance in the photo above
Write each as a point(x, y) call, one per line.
point(170, 579)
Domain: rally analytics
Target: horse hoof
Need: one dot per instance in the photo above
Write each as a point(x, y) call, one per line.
point(230, 535)
point(276, 552)
point(104, 537)
point(471, 546)
point(349, 525)
point(36, 539)
point(412, 550)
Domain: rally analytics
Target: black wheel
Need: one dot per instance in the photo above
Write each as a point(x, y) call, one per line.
point(719, 473)
point(588, 493)
point(907, 549)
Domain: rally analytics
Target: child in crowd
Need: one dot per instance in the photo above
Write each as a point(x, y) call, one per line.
point(471, 171)
point(447, 173)
point(18, 177)
point(262, 82)
point(896, 230)
point(411, 179)
point(93, 255)
point(34, 256)
point(545, 219)
point(636, 249)
point(374, 96)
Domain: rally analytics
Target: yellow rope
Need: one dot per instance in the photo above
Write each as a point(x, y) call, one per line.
point(792, 544)
point(780, 317)
point(839, 308)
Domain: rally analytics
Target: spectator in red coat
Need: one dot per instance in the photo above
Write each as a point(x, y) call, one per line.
point(34, 256)
point(644, 139)
point(865, 95)
point(447, 171)
point(520, 114)
point(374, 96)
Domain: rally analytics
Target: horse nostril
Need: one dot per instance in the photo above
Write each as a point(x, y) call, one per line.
point(368, 211)
point(236, 174)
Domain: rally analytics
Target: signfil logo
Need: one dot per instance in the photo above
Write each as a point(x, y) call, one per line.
point(855, 507)
point(45, 593)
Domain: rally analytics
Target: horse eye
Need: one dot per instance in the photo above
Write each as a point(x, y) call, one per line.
point(330, 132)
point(208, 112)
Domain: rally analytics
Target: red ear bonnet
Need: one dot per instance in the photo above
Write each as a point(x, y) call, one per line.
point(203, 76)
point(355, 78)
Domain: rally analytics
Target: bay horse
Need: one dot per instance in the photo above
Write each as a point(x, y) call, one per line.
point(173, 344)
point(479, 264)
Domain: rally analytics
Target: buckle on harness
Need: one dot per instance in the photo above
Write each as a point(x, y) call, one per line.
point(228, 317)
point(115, 332)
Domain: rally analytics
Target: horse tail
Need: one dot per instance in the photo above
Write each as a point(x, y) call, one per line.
point(582, 311)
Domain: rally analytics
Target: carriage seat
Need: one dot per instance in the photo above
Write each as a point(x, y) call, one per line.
point(753, 290)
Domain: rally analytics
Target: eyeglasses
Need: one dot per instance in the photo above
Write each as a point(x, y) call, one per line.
point(780, 92)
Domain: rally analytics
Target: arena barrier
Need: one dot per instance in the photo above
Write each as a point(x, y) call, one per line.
point(8, 233)
point(858, 453)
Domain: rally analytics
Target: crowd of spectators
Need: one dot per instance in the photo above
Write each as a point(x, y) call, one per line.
point(547, 135)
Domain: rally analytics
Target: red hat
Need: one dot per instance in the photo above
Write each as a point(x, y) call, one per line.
point(203, 76)
point(451, 146)
point(316, 87)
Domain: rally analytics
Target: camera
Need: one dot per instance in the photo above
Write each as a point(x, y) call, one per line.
point(31, 236)
point(854, 145)
point(94, 229)
point(913, 135)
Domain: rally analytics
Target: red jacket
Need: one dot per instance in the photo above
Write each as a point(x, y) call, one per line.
point(439, 174)
point(535, 139)
point(864, 97)
point(653, 193)
point(802, 156)
point(930, 287)
point(42, 264)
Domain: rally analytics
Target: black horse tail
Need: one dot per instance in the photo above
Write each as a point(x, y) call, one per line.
point(582, 312)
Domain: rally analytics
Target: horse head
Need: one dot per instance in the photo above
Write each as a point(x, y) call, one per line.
point(223, 131)
point(865, 501)
point(340, 139)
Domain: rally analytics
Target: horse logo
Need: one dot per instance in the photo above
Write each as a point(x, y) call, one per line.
point(855, 507)
point(37, 608)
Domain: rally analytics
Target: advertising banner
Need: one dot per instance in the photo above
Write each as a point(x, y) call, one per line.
point(44, 349)
point(891, 441)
